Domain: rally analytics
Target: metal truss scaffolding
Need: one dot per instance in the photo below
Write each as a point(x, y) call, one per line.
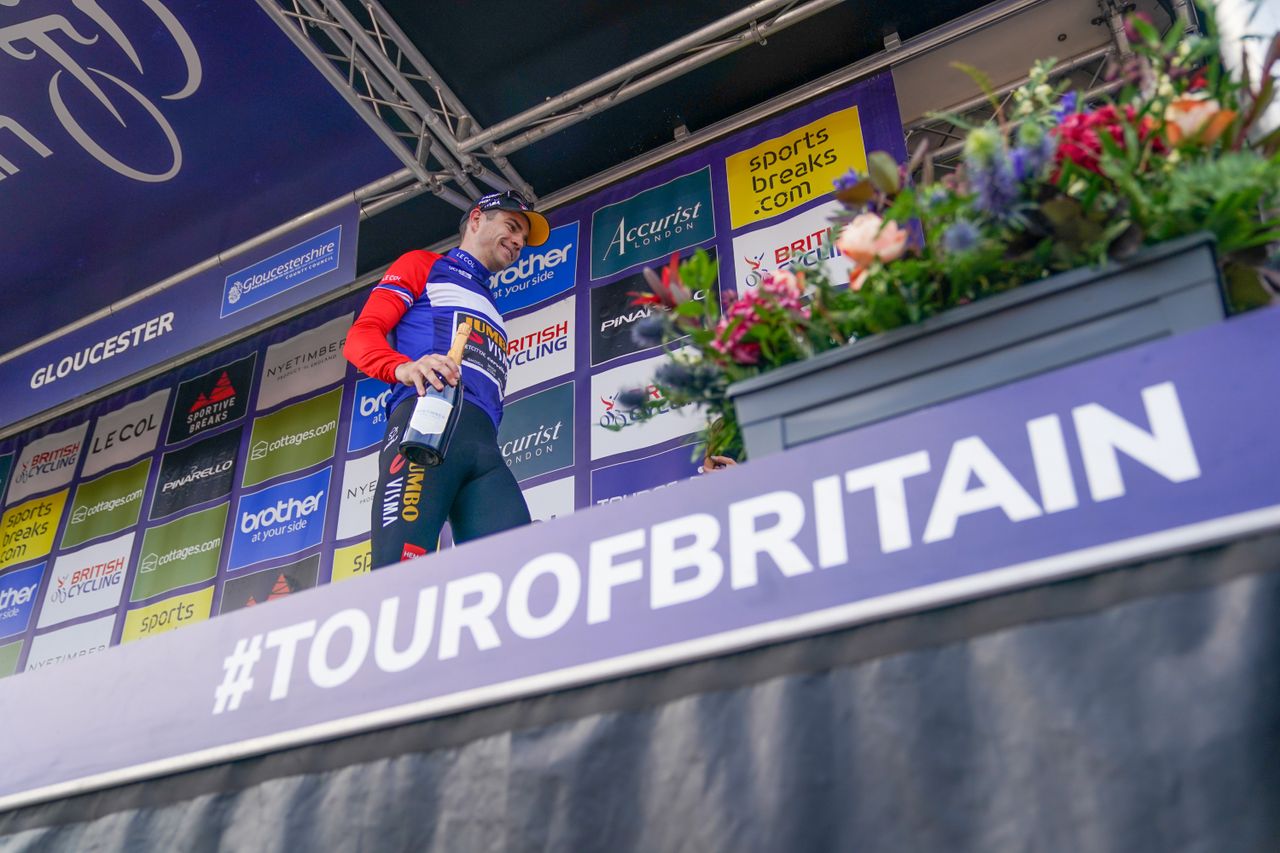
point(384, 77)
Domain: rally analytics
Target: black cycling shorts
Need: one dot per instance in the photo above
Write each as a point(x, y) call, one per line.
point(472, 488)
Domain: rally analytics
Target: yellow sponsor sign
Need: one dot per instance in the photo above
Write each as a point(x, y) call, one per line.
point(168, 615)
point(782, 173)
point(352, 561)
point(26, 530)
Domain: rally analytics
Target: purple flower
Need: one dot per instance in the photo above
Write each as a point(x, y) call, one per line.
point(1066, 106)
point(648, 332)
point(960, 237)
point(848, 180)
point(631, 399)
point(996, 186)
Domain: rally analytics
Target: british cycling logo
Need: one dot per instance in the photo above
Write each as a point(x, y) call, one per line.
point(47, 38)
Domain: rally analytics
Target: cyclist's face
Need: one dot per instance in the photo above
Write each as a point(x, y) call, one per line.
point(496, 240)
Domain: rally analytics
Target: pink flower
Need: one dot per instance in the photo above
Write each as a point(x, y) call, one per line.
point(869, 238)
point(857, 277)
point(782, 283)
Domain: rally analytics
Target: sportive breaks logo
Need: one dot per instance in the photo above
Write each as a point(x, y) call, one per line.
point(270, 584)
point(368, 413)
point(200, 472)
point(107, 505)
point(540, 345)
point(280, 520)
point(18, 598)
point(87, 581)
point(180, 553)
point(537, 432)
point(805, 239)
point(304, 363)
point(293, 438)
point(212, 399)
point(540, 274)
point(47, 463)
point(125, 434)
point(614, 315)
point(652, 224)
point(784, 172)
point(283, 271)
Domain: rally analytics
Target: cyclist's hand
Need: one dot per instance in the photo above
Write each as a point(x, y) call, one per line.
point(433, 369)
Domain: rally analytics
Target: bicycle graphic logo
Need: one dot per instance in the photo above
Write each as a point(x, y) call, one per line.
point(46, 38)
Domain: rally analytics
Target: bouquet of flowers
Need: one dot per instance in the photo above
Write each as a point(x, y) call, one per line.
point(1056, 185)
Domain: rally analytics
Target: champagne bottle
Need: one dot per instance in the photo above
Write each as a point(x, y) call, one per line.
point(435, 415)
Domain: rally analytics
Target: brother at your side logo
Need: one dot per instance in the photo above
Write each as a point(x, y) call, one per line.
point(540, 274)
point(280, 520)
point(368, 413)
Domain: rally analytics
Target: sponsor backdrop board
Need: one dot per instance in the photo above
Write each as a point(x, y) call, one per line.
point(240, 478)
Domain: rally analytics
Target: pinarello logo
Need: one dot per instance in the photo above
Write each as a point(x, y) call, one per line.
point(396, 464)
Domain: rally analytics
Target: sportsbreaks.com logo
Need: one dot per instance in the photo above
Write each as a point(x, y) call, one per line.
point(282, 271)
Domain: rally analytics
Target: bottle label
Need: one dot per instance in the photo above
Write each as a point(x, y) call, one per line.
point(430, 415)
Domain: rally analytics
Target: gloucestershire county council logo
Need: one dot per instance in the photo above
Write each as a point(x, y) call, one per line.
point(233, 295)
point(258, 451)
point(149, 564)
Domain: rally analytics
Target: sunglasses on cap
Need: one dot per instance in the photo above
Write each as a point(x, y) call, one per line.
point(511, 200)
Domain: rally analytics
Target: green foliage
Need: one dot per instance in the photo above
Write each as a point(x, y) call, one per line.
point(1057, 185)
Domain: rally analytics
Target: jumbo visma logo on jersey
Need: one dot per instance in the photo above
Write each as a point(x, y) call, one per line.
point(652, 224)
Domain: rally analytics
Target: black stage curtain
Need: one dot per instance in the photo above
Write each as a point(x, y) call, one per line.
point(1135, 709)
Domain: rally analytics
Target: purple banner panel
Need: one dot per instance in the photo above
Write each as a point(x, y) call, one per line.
point(282, 274)
point(1159, 448)
point(141, 137)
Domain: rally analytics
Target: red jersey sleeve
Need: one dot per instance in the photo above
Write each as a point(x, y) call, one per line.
point(367, 347)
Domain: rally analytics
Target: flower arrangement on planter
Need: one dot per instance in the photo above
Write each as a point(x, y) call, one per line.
point(1057, 185)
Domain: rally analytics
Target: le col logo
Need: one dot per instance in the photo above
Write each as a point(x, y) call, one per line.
point(288, 515)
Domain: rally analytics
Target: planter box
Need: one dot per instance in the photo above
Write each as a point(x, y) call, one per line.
point(1078, 315)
